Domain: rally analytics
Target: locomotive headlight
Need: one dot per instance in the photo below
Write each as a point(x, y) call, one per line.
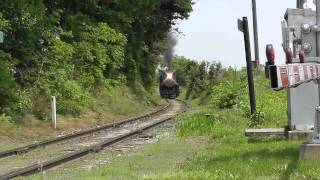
point(169, 76)
point(306, 28)
point(307, 47)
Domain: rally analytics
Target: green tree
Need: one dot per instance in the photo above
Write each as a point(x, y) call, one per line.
point(58, 47)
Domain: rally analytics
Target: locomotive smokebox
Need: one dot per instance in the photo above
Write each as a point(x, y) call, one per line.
point(168, 86)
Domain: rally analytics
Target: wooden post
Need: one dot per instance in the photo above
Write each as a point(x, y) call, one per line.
point(53, 112)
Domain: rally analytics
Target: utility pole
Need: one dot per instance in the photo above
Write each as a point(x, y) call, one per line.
point(255, 33)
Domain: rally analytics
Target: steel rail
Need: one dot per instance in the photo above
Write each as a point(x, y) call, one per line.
point(28, 148)
point(35, 168)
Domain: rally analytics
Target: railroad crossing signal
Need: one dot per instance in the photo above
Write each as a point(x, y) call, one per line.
point(301, 44)
point(300, 30)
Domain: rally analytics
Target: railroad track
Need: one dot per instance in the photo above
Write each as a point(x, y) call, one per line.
point(158, 119)
point(28, 148)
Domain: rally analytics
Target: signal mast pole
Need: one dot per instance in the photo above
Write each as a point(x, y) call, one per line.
point(318, 24)
point(244, 27)
point(316, 134)
point(255, 33)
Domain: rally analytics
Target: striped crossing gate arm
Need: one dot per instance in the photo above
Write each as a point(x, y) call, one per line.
point(292, 75)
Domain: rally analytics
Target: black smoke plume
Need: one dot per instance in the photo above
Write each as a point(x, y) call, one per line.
point(171, 41)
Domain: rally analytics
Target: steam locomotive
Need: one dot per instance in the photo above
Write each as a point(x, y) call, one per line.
point(168, 86)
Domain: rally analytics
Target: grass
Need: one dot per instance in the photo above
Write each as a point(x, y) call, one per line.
point(273, 104)
point(153, 160)
point(231, 155)
point(224, 154)
point(211, 147)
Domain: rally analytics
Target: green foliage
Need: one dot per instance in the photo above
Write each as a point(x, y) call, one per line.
point(76, 48)
point(14, 101)
point(218, 124)
point(255, 119)
point(179, 65)
point(232, 92)
point(4, 118)
point(71, 98)
point(7, 86)
point(198, 124)
point(196, 77)
point(99, 55)
point(227, 93)
point(271, 105)
point(4, 24)
point(230, 154)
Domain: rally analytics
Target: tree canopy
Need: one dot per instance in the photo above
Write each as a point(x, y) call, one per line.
point(70, 48)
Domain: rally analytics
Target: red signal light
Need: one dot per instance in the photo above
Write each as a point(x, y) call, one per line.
point(289, 55)
point(301, 56)
point(270, 54)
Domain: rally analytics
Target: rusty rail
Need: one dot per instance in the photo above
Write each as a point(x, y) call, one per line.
point(28, 148)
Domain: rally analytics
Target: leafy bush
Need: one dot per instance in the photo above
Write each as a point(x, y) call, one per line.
point(254, 120)
point(226, 94)
point(233, 93)
point(41, 108)
point(4, 118)
point(7, 86)
point(14, 101)
point(99, 55)
point(71, 99)
point(9, 93)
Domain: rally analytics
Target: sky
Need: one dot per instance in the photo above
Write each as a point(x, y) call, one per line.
point(211, 32)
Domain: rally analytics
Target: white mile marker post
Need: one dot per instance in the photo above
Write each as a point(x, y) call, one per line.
point(54, 112)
